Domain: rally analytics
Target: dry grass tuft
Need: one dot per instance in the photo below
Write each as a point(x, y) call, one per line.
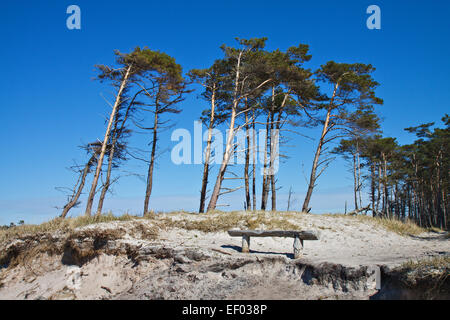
point(65, 236)
point(403, 228)
point(34, 245)
point(144, 232)
point(407, 227)
point(441, 264)
point(223, 221)
point(209, 222)
point(430, 276)
point(59, 225)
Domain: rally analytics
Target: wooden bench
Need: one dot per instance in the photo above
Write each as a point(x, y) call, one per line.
point(298, 236)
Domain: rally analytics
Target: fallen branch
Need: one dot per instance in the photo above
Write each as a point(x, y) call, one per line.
point(224, 252)
point(106, 288)
point(352, 213)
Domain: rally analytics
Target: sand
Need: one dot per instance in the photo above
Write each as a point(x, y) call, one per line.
point(191, 264)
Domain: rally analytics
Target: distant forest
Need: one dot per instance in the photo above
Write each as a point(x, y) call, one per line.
point(248, 88)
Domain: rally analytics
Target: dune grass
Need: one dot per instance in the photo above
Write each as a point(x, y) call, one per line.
point(439, 263)
point(407, 227)
point(223, 221)
point(60, 225)
point(215, 221)
point(431, 275)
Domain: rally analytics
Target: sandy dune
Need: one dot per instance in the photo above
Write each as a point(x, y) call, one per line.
point(186, 263)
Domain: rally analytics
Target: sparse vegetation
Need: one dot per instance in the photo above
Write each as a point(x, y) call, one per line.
point(223, 221)
point(61, 225)
point(406, 227)
point(430, 275)
point(78, 241)
point(210, 222)
point(439, 265)
point(145, 232)
point(61, 237)
point(403, 228)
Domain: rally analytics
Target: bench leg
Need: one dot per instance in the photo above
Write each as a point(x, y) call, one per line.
point(245, 243)
point(298, 248)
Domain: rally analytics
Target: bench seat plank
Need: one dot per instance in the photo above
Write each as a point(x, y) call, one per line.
point(303, 235)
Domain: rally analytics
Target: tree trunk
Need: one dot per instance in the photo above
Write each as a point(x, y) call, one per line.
point(223, 167)
point(105, 142)
point(110, 163)
point(265, 191)
point(76, 196)
point(385, 187)
point(148, 192)
point(444, 210)
point(358, 165)
point(379, 186)
point(372, 188)
point(116, 136)
point(312, 177)
point(274, 145)
point(107, 182)
point(355, 183)
point(354, 212)
point(254, 163)
point(274, 193)
point(289, 199)
point(229, 149)
point(247, 164)
point(208, 152)
point(267, 177)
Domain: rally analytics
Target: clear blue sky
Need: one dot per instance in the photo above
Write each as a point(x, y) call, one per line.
point(50, 105)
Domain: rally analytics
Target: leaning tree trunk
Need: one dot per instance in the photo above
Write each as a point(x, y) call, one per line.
point(313, 177)
point(116, 135)
point(105, 142)
point(107, 181)
point(228, 148)
point(208, 153)
point(223, 167)
point(108, 172)
point(76, 196)
point(148, 191)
